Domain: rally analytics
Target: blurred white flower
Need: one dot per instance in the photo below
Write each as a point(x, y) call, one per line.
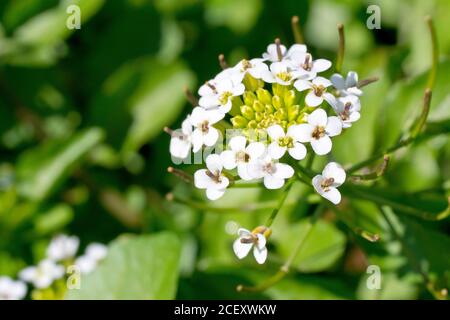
point(42, 275)
point(181, 140)
point(246, 241)
point(94, 253)
point(326, 184)
point(241, 155)
point(12, 290)
point(62, 247)
point(347, 108)
point(204, 132)
point(285, 141)
point(317, 91)
point(318, 131)
point(212, 179)
point(346, 86)
point(273, 172)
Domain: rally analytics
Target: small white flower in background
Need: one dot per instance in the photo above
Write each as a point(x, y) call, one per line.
point(255, 67)
point(310, 68)
point(63, 247)
point(346, 86)
point(272, 52)
point(285, 141)
point(246, 241)
point(241, 155)
point(273, 172)
point(12, 290)
point(42, 275)
point(212, 179)
point(347, 108)
point(95, 252)
point(218, 94)
point(181, 141)
point(281, 73)
point(317, 91)
point(318, 131)
point(204, 132)
point(326, 184)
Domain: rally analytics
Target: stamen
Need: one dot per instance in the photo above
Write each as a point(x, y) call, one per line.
point(307, 64)
point(216, 177)
point(209, 84)
point(319, 90)
point(204, 126)
point(327, 183)
point(242, 156)
point(318, 132)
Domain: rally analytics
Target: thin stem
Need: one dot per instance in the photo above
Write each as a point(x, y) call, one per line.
point(365, 82)
point(374, 174)
point(186, 177)
point(341, 50)
point(435, 53)
point(284, 269)
point(418, 125)
point(296, 30)
point(280, 203)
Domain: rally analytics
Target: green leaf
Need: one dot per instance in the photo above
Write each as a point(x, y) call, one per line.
point(41, 170)
point(322, 248)
point(142, 267)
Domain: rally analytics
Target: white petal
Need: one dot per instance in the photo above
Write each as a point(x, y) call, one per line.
point(302, 85)
point(272, 182)
point(205, 90)
point(240, 249)
point(303, 132)
point(275, 132)
point(242, 169)
point(333, 195)
point(318, 118)
point(214, 116)
point(254, 169)
point(334, 170)
point(261, 243)
point(228, 158)
point(296, 48)
point(214, 163)
point(317, 183)
point(244, 233)
point(180, 148)
point(312, 100)
point(198, 116)
point(210, 138)
point(260, 255)
point(283, 171)
point(222, 185)
point(238, 90)
point(96, 251)
point(338, 81)
point(328, 97)
point(214, 194)
point(298, 152)
point(321, 65)
point(201, 179)
point(334, 126)
point(321, 146)
point(354, 116)
point(209, 101)
point(352, 79)
point(237, 143)
point(321, 81)
point(197, 140)
point(28, 274)
point(255, 150)
point(276, 151)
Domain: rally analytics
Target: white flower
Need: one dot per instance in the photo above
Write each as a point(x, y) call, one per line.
point(272, 52)
point(12, 290)
point(325, 184)
point(42, 275)
point(246, 241)
point(274, 173)
point(317, 91)
point(303, 61)
point(95, 252)
point(285, 141)
point(212, 178)
point(347, 108)
point(348, 85)
point(282, 73)
point(181, 140)
point(62, 247)
point(218, 94)
point(204, 133)
point(239, 155)
point(318, 131)
point(254, 67)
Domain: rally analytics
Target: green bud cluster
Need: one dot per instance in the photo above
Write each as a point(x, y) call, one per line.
point(260, 108)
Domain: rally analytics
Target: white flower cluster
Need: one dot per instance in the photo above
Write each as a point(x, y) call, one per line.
point(60, 253)
point(291, 116)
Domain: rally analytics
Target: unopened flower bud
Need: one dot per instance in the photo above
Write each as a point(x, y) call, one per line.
point(258, 106)
point(289, 98)
point(247, 112)
point(277, 102)
point(249, 98)
point(239, 122)
point(264, 96)
point(293, 112)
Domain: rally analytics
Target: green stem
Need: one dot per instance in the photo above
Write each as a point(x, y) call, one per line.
point(280, 203)
point(284, 269)
point(435, 53)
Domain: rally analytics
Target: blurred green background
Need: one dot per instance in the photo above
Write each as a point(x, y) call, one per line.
point(82, 149)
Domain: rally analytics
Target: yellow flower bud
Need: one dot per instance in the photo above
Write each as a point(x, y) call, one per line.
point(264, 96)
point(247, 112)
point(239, 122)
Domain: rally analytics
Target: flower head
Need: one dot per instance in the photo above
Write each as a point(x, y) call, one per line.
point(254, 67)
point(212, 179)
point(95, 252)
point(181, 140)
point(62, 247)
point(281, 73)
point(248, 240)
point(217, 94)
point(346, 86)
point(303, 61)
point(347, 108)
point(241, 155)
point(42, 275)
point(317, 91)
point(318, 131)
point(282, 141)
point(273, 172)
point(12, 290)
point(326, 184)
point(204, 133)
